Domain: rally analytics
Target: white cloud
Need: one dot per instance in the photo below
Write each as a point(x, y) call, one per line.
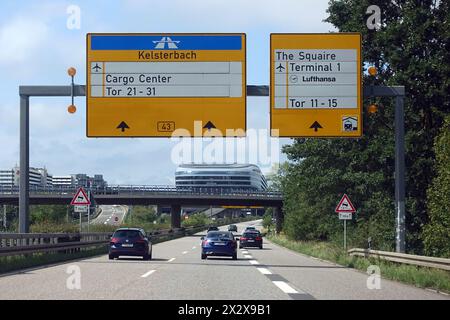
point(36, 48)
point(20, 37)
point(233, 15)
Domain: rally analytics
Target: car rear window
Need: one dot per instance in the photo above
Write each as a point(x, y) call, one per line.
point(127, 234)
point(218, 234)
point(251, 235)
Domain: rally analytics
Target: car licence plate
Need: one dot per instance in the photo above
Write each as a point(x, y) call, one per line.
point(251, 240)
point(127, 245)
point(219, 243)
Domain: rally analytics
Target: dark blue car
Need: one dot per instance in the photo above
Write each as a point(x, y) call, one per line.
point(219, 243)
point(130, 242)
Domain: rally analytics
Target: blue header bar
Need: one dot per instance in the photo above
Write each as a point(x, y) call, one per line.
point(166, 42)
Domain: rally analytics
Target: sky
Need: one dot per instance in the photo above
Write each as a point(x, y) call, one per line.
point(37, 48)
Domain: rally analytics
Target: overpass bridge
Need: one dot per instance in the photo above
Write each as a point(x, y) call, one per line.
point(152, 195)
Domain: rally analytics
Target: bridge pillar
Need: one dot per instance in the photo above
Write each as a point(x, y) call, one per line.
point(278, 218)
point(175, 214)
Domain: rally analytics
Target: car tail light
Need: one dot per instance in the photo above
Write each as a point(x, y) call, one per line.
point(258, 238)
point(243, 239)
point(114, 240)
point(204, 242)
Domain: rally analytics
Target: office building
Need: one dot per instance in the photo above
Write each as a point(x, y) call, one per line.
point(220, 176)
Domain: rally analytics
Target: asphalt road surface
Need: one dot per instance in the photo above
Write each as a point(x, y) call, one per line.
point(111, 215)
point(177, 272)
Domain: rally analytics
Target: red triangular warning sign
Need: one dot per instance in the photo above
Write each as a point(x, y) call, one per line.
point(80, 198)
point(345, 205)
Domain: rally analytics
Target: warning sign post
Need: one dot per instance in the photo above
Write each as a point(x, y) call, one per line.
point(345, 209)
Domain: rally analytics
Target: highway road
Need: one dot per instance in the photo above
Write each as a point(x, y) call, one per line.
point(109, 215)
point(177, 272)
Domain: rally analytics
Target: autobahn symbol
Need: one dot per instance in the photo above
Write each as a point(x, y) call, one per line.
point(166, 40)
point(80, 198)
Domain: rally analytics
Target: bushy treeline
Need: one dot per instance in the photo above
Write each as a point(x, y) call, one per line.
point(412, 49)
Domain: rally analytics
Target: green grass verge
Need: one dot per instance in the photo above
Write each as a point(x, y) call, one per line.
point(421, 277)
point(14, 263)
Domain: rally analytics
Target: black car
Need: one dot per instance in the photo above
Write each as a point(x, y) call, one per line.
point(251, 239)
point(130, 242)
point(232, 227)
point(213, 228)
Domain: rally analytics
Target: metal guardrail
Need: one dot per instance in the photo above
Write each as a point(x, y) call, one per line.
point(142, 190)
point(423, 261)
point(12, 244)
point(17, 243)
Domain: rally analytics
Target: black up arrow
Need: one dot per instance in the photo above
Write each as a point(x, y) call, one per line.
point(209, 125)
point(316, 126)
point(123, 126)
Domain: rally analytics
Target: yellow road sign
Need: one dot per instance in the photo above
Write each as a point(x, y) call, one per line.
point(157, 85)
point(316, 85)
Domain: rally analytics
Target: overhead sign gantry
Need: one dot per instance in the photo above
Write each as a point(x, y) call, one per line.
point(316, 88)
point(149, 85)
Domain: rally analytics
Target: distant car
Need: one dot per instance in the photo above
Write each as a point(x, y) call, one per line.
point(251, 239)
point(232, 227)
point(249, 228)
point(219, 243)
point(213, 228)
point(130, 242)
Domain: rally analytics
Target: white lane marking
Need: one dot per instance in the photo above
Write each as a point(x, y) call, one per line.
point(264, 270)
point(184, 252)
point(194, 247)
point(247, 256)
point(171, 259)
point(105, 222)
point(145, 275)
point(245, 252)
point(284, 287)
point(253, 262)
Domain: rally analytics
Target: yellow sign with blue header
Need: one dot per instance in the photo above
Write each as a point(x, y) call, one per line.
point(316, 85)
point(162, 85)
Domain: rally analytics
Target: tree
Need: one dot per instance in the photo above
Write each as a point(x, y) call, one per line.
point(412, 48)
point(142, 215)
point(436, 234)
point(267, 219)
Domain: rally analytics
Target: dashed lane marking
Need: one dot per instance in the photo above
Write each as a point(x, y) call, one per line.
point(184, 252)
point(145, 275)
point(264, 270)
point(284, 287)
point(171, 259)
point(253, 262)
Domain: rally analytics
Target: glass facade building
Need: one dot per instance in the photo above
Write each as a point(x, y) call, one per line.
point(220, 176)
